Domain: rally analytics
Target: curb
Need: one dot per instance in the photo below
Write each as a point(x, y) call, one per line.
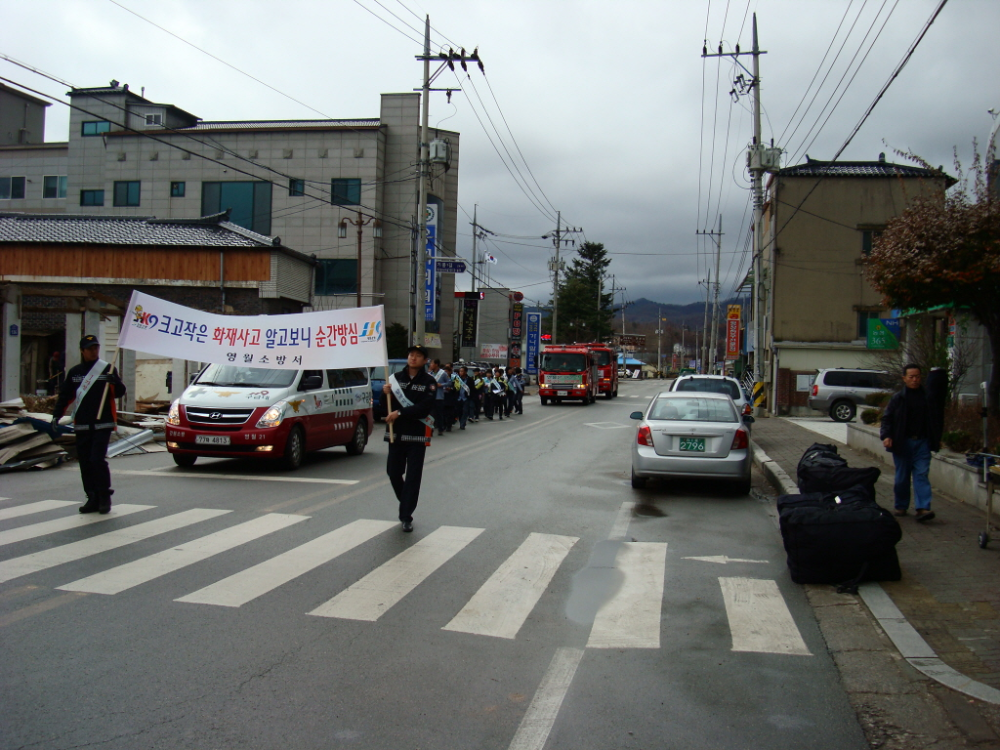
point(910, 644)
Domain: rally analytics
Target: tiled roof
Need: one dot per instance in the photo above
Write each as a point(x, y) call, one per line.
point(207, 231)
point(815, 168)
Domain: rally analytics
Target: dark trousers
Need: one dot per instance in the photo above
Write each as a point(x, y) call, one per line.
point(519, 402)
point(439, 414)
point(91, 452)
point(405, 468)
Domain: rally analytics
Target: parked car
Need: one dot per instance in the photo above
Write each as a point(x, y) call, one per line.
point(840, 391)
point(693, 436)
point(378, 380)
point(715, 384)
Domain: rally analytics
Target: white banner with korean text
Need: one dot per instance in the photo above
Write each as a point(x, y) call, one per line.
point(353, 337)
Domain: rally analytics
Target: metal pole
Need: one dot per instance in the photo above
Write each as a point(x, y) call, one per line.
point(715, 305)
point(475, 231)
point(420, 322)
point(704, 327)
point(360, 223)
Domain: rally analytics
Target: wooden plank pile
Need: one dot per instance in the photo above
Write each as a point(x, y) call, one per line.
point(28, 440)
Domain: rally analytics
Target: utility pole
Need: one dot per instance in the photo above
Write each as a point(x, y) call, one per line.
point(704, 328)
point(556, 266)
point(714, 345)
point(759, 160)
point(424, 168)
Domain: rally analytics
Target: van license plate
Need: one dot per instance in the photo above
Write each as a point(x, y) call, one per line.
point(562, 393)
point(211, 439)
point(696, 445)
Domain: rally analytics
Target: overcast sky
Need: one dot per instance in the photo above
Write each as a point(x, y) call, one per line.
point(626, 129)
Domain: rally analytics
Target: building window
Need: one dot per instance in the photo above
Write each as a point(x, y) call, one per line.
point(345, 192)
point(868, 237)
point(863, 318)
point(127, 193)
point(177, 189)
point(337, 276)
point(53, 187)
point(296, 187)
point(91, 197)
point(95, 127)
point(156, 119)
point(11, 188)
point(249, 203)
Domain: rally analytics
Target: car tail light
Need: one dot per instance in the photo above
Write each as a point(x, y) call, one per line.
point(741, 441)
point(747, 409)
point(815, 390)
point(645, 437)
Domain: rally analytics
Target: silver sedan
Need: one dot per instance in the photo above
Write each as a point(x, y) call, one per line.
point(694, 436)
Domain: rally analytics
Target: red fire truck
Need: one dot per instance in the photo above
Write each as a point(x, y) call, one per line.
point(567, 371)
point(607, 369)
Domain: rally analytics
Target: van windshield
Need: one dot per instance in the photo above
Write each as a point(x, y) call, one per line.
point(563, 362)
point(245, 377)
point(603, 358)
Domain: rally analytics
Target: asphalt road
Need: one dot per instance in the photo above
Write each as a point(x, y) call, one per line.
point(540, 602)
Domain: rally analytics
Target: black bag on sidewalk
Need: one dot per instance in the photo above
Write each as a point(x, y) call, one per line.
point(822, 469)
point(839, 538)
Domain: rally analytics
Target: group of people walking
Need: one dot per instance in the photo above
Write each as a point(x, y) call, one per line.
point(464, 396)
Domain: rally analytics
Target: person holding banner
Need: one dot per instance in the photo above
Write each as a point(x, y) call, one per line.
point(92, 387)
point(410, 398)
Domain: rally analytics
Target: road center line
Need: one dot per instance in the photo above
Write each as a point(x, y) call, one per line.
point(620, 527)
point(541, 714)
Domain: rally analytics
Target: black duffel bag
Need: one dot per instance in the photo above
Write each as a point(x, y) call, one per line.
point(839, 538)
point(822, 469)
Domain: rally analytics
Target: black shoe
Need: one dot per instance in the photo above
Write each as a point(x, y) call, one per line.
point(461, 428)
point(407, 526)
point(925, 515)
point(91, 506)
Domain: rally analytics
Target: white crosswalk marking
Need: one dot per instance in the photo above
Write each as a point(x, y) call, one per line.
point(373, 595)
point(29, 508)
point(242, 587)
point(505, 601)
point(146, 569)
point(49, 558)
point(759, 619)
point(67, 522)
point(631, 618)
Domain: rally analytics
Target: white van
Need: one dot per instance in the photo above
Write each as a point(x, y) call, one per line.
point(251, 412)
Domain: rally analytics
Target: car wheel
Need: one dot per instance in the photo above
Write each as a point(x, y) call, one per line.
point(544, 400)
point(842, 411)
point(357, 445)
point(637, 482)
point(742, 487)
point(184, 460)
point(295, 448)
point(609, 395)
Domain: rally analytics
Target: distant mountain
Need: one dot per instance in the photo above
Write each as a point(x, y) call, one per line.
point(643, 312)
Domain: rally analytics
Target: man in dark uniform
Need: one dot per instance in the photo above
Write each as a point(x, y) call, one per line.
point(92, 387)
point(410, 396)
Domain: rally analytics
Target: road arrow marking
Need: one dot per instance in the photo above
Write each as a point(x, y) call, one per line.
point(722, 559)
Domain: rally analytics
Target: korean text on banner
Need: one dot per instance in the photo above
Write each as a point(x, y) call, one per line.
point(353, 337)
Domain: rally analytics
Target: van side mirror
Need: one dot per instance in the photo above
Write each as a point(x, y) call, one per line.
point(311, 383)
point(635, 415)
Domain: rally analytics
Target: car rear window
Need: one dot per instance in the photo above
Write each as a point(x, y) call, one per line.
point(693, 409)
point(709, 385)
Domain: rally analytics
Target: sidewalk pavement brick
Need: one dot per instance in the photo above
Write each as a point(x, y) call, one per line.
point(950, 591)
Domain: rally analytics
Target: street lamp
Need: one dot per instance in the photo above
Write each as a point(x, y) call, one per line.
point(360, 222)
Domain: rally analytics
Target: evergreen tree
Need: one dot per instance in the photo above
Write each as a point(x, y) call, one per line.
point(582, 316)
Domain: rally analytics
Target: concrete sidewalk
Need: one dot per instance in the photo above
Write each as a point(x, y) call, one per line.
point(950, 590)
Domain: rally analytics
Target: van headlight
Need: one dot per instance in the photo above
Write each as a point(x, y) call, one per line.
point(272, 417)
point(174, 415)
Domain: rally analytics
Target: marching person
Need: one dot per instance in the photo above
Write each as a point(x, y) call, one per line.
point(499, 385)
point(450, 399)
point(443, 381)
point(488, 394)
point(92, 387)
point(410, 397)
point(464, 386)
point(519, 390)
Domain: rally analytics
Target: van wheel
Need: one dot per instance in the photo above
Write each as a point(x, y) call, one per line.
point(184, 460)
point(295, 448)
point(842, 411)
point(609, 395)
point(544, 400)
point(637, 482)
point(357, 445)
